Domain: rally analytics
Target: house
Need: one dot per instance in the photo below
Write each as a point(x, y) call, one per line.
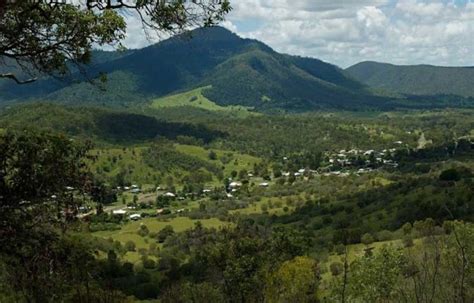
point(302, 170)
point(264, 184)
point(297, 174)
point(179, 211)
point(235, 184)
point(135, 217)
point(169, 195)
point(160, 211)
point(369, 152)
point(229, 196)
point(206, 191)
point(135, 191)
point(119, 212)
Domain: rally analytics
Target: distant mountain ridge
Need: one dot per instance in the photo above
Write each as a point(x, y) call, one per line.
point(240, 71)
point(425, 80)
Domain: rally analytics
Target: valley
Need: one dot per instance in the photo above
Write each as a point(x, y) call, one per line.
point(212, 168)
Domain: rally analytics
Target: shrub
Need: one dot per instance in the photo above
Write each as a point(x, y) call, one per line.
point(367, 239)
point(130, 246)
point(336, 268)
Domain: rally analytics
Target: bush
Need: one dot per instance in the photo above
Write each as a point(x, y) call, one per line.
point(450, 175)
point(143, 231)
point(339, 249)
point(165, 233)
point(130, 246)
point(408, 242)
point(384, 235)
point(336, 268)
point(367, 239)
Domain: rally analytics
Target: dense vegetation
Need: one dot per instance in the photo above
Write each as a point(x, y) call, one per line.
point(248, 208)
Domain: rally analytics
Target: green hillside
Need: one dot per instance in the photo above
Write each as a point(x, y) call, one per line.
point(265, 79)
point(242, 72)
point(416, 79)
point(195, 98)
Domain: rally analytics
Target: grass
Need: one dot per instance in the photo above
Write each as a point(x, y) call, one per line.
point(256, 208)
point(129, 231)
point(109, 162)
point(112, 160)
point(195, 98)
point(236, 161)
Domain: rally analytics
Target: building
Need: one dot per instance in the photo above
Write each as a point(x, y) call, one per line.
point(135, 217)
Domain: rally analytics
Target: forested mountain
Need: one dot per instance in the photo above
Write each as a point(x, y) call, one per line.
point(416, 79)
point(240, 71)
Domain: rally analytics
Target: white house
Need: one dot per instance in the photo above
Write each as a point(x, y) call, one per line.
point(169, 195)
point(119, 212)
point(135, 217)
point(235, 184)
point(264, 184)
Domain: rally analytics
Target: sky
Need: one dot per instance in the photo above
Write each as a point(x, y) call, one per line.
point(344, 32)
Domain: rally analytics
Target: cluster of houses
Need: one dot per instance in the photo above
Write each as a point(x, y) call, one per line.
point(134, 189)
point(356, 158)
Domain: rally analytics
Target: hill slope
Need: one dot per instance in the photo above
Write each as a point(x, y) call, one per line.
point(416, 79)
point(241, 72)
point(100, 124)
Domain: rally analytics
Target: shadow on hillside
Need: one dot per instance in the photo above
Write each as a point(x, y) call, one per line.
point(126, 127)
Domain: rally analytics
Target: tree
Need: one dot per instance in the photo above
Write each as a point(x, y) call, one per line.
point(165, 233)
point(336, 268)
point(212, 155)
point(130, 246)
point(367, 239)
point(374, 277)
point(38, 172)
point(47, 36)
point(295, 281)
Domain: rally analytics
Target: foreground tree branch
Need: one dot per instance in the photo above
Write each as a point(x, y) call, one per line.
point(50, 37)
point(13, 77)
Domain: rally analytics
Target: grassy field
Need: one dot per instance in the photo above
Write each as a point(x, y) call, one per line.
point(129, 231)
point(235, 161)
point(110, 162)
point(195, 98)
point(260, 207)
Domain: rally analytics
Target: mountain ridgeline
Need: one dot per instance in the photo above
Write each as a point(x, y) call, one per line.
point(239, 72)
point(234, 71)
point(425, 80)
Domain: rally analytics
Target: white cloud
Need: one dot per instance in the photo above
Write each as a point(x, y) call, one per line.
point(348, 31)
point(345, 32)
